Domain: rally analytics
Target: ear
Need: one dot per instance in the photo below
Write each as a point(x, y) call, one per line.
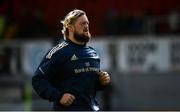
point(71, 28)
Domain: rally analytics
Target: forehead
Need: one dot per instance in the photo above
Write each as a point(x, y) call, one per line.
point(82, 18)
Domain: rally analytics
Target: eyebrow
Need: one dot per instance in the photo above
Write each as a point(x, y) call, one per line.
point(83, 22)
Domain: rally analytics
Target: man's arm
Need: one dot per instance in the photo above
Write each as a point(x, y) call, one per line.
point(44, 88)
point(46, 71)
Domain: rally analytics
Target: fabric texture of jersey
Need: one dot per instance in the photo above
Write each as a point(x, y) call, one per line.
point(69, 68)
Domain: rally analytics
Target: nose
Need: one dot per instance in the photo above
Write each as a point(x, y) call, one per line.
point(86, 26)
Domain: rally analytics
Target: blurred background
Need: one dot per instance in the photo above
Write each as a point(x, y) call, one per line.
point(137, 40)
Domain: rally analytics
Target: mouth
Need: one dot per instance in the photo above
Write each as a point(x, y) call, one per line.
point(85, 30)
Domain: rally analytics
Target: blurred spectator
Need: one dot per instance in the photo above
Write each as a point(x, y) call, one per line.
point(124, 22)
point(39, 27)
point(174, 21)
point(149, 22)
point(37, 18)
point(111, 22)
point(2, 23)
point(136, 26)
point(8, 20)
point(11, 31)
point(33, 24)
point(3, 12)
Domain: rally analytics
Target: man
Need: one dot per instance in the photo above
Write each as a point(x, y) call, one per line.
point(70, 75)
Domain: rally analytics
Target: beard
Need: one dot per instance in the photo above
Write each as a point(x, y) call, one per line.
point(82, 37)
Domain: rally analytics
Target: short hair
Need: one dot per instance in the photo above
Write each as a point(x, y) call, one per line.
point(70, 19)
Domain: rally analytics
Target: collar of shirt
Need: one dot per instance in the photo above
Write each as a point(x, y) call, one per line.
point(74, 44)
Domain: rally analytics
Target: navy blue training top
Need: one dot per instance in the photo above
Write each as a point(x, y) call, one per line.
point(69, 68)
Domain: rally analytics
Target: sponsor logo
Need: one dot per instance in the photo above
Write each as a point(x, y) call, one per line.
point(87, 69)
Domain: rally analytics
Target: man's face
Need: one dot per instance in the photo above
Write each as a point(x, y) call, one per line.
point(81, 29)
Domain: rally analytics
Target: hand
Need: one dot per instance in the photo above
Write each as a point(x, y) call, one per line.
point(104, 78)
point(67, 99)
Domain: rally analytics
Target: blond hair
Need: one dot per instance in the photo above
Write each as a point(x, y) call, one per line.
point(70, 19)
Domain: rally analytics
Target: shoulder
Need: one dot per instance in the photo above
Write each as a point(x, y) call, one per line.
point(59, 49)
point(92, 52)
point(91, 48)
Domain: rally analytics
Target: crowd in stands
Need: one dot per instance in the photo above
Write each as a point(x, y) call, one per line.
point(41, 18)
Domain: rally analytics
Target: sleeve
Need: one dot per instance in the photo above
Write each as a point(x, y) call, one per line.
point(41, 80)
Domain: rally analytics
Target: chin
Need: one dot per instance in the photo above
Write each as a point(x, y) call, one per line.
point(88, 35)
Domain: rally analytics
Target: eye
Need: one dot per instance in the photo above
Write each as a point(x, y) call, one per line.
point(85, 23)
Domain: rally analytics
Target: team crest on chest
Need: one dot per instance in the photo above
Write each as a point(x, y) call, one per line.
point(87, 64)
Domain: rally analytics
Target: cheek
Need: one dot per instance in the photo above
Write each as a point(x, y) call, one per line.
point(79, 28)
